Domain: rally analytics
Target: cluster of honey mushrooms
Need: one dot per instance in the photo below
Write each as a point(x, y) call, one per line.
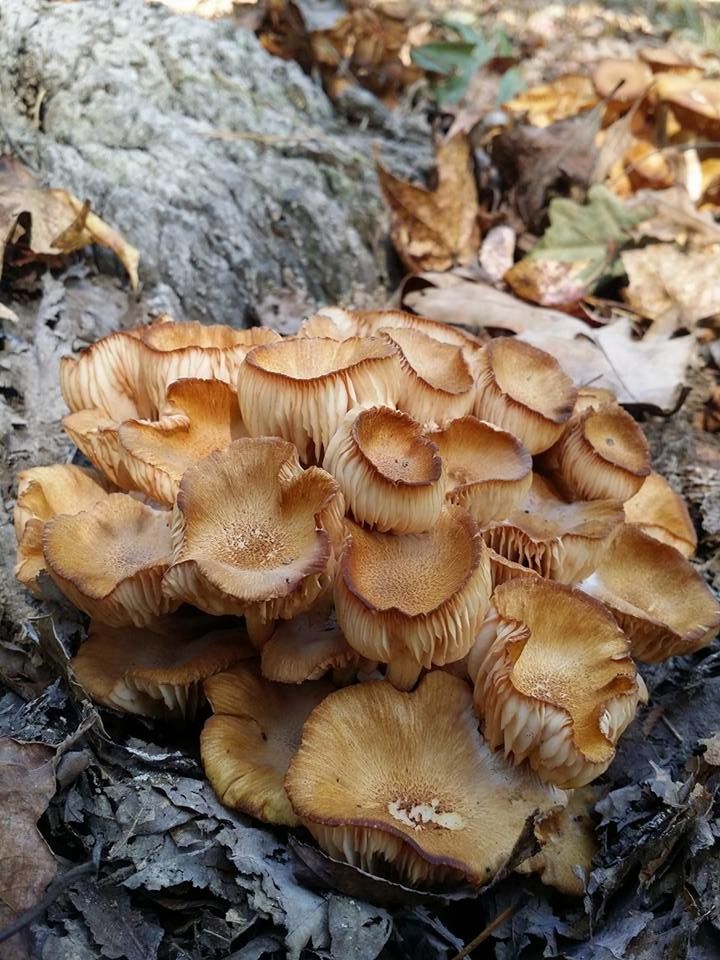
point(447, 557)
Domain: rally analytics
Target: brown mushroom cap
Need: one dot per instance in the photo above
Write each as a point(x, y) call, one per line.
point(248, 532)
point(301, 389)
point(96, 435)
point(110, 560)
point(488, 470)
point(413, 600)
point(621, 81)
point(602, 455)
point(658, 598)
point(663, 59)
point(388, 470)
point(340, 324)
point(524, 390)
point(662, 513)
point(556, 687)
point(559, 540)
point(247, 744)
point(154, 673)
point(590, 398)
point(43, 493)
point(436, 381)
point(306, 648)
point(107, 376)
point(402, 783)
point(201, 416)
point(695, 104)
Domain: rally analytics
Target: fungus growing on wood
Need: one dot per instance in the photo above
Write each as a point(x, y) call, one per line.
point(402, 785)
point(661, 513)
point(389, 471)
point(557, 686)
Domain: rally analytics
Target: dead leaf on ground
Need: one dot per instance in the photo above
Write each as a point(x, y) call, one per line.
point(545, 104)
point(436, 229)
point(27, 865)
point(672, 287)
point(676, 218)
point(497, 251)
point(57, 222)
point(550, 283)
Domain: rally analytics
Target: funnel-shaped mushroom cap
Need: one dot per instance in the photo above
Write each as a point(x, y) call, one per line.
point(622, 81)
point(696, 105)
point(340, 324)
point(306, 647)
point(590, 398)
point(201, 416)
point(108, 377)
point(557, 686)
point(248, 532)
point(402, 784)
point(154, 673)
point(603, 455)
point(416, 599)
point(665, 60)
point(662, 513)
point(488, 470)
point(96, 435)
point(109, 560)
point(247, 744)
point(175, 351)
point(436, 382)
point(524, 390)
point(658, 598)
point(388, 470)
point(43, 493)
point(559, 540)
point(301, 389)
point(568, 845)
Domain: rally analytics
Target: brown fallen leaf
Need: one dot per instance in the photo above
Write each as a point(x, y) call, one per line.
point(27, 865)
point(436, 229)
point(672, 287)
point(550, 283)
point(676, 218)
point(58, 223)
point(497, 251)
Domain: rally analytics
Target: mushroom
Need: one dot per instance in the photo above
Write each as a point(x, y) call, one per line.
point(249, 533)
point(109, 560)
point(560, 540)
point(154, 673)
point(388, 470)
point(696, 104)
point(43, 493)
point(401, 784)
point(247, 744)
point(413, 600)
point(602, 455)
point(621, 83)
point(665, 60)
point(306, 648)
point(590, 398)
point(660, 512)
point(436, 381)
point(557, 686)
point(525, 391)
point(96, 436)
point(488, 470)
point(658, 598)
point(301, 389)
point(107, 376)
point(340, 324)
point(200, 416)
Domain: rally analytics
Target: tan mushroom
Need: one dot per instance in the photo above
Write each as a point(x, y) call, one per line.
point(666, 60)
point(97, 436)
point(524, 390)
point(621, 83)
point(307, 647)
point(340, 324)
point(695, 103)
point(388, 470)
point(662, 513)
point(413, 600)
point(590, 398)
point(557, 686)
point(402, 785)
point(108, 377)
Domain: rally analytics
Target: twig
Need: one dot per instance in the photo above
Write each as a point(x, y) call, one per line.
point(482, 937)
point(53, 891)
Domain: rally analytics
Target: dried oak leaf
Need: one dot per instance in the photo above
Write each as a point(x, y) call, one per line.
point(27, 865)
point(53, 222)
point(436, 229)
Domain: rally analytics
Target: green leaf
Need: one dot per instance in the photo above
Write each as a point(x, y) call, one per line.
point(443, 57)
point(466, 33)
point(511, 83)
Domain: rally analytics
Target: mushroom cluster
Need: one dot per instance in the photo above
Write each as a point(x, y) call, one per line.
point(407, 573)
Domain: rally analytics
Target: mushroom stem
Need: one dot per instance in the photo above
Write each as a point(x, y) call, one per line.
point(259, 630)
point(403, 673)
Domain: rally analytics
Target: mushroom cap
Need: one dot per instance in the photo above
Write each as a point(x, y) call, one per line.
point(107, 376)
point(524, 390)
point(109, 560)
point(247, 744)
point(402, 783)
point(301, 389)
point(305, 648)
point(201, 416)
point(413, 600)
point(96, 436)
point(560, 540)
point(340, 324)
point(389, 471)
point(43, 493)
point(590, 398)
point(436, 380)
point(662, 513)
point(602, 455)
point(557, 686)
point(665, 60)
point(696, 104)
point(248, 531)
point(154, 673)
point(489, 471)
point(658, 598)
point(621, 81)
